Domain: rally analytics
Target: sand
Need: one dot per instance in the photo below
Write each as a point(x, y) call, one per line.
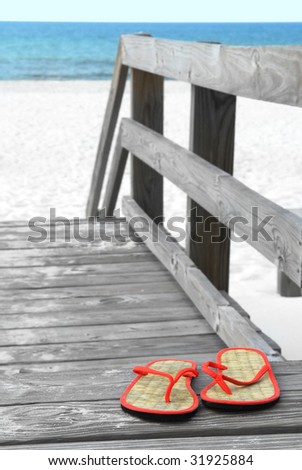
point(49, 133)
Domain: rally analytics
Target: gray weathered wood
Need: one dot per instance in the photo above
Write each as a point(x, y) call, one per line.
point(115, 177)
point(32, 280)
point(268, 73)
point(251, 442)
point(60, 232)
point(223, 196)
point(212, 131)
point(286, 287)
point(105, 420)
point(78, 365)
point(126, 289)
point(96, 383)
point(43, 273)
point(97, 315)
point(12, 258)
point(110, 119)
point(117, 348)
point(74, 334)
point(147, 103)
point(232, 328)
point(67, 352)
point(142, 299)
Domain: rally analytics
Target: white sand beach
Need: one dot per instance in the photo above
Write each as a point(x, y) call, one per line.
point(49, 134)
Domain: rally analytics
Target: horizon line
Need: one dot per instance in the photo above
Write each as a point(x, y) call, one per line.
point(151, 22)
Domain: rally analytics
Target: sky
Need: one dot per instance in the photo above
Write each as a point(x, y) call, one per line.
point(151, 11)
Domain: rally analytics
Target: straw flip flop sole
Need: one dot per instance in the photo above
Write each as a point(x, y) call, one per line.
point(244, 381)
point(162, 388)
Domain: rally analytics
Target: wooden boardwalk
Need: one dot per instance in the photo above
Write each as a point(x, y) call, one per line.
point(76, 317)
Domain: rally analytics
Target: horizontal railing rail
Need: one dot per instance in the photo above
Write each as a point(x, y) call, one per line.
point(267, 73)
point(230, 201)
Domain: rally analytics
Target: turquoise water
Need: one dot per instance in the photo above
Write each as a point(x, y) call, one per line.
point(86, 51)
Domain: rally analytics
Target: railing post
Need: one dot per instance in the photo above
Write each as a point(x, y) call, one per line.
point(286, 287)
point(148, 109)
point(212, 132)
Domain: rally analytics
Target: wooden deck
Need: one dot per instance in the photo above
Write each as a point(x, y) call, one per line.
point(76, 317)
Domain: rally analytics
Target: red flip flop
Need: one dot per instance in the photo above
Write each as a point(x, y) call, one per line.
point(162, 387)
point(249, 382)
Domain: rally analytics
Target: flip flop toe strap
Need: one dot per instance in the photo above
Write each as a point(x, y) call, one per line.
point(221, 378)
point(187, 372)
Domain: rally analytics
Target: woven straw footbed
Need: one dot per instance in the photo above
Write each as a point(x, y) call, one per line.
point(149, 390)
point(243, 365)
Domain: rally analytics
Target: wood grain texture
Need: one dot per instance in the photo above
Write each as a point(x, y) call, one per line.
point(96, 315)
point(147, 103)
point(52, 257)
point(232, 328)
point(142, 299)
point(67, 353)
point(124, 288)
point(286, 287)
point(96, 383)
point(78, 366)
point(223, 196)
point(251, 442)
point(33, 282)
point(110, 119)
point(112, 349)
point(268, 73)
point(74, 334)
point(212, 133)
point(115, 177)
point(105, 420)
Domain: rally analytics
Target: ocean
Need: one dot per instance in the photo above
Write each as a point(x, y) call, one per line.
point(86, 51)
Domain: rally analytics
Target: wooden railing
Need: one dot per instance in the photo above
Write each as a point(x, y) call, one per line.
point(218, 74)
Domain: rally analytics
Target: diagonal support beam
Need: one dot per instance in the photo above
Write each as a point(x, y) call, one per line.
point(227, 322)
point(110, 119)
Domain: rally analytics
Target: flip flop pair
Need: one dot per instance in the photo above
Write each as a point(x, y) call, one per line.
point(242, 379)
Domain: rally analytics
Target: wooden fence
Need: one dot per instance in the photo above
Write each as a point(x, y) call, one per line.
point(217, 74)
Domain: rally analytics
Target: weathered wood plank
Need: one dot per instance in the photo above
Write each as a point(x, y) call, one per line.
point(115, 177)
point(121, 348)
point(250, 442)
point(75, 334)
point(273, 231)
point(232, 328)
point(97, 383)
point(268, 73)
point(138, 286)
point(78, 366)
point(286, 287)
point(147, 108)
point(141, 300)
point(111, 114)
point(75, 254)
point(105, 420)
point(97, 315)
point(81, 279)
point(73, 232)
point(13, 259)
point(52, 272)
point(103, 243)
point(212, 135)
point(23, 224)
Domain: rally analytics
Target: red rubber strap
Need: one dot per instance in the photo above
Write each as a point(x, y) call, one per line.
point(188, 372)
point(220, 378)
